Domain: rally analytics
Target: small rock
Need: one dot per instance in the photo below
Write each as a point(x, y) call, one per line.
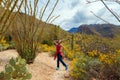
point(66, 75)
point(92, 78)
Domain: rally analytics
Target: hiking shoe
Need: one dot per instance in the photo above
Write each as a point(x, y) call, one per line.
point(66, 68)
point(57, 68)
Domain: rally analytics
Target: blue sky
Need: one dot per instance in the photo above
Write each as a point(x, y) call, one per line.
point(74, 13)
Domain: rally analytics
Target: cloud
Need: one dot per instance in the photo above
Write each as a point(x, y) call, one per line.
point(79, 17)
point(74, 3)
point(73, 13)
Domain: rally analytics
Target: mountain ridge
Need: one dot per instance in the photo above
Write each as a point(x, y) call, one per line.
point(104, 30)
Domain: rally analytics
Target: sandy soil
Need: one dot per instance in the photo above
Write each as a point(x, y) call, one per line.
point(42, 69)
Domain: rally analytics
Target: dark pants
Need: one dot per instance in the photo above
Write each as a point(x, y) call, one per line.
point(59, 59)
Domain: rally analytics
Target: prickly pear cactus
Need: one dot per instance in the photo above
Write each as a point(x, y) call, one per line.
point(15, 70)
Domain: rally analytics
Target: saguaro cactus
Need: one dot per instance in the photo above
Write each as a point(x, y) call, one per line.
point(72, 41)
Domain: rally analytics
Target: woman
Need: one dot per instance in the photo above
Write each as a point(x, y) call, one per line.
point(59, 55)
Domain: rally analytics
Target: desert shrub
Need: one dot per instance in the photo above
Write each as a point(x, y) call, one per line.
point(94, 53)
point(28, 53)
point(11, 45)
point(47, 48)
point(84, 67)
point(27, 30)
point(3, 44)
point(110, 66)
point(72, 54)
point(88, 43)
point(102, 67)
point(108, 58)
point(109, 72)
point(8, 38)
point(79, 67)
point(48, 42)
point(94, 68)
point(15, 70)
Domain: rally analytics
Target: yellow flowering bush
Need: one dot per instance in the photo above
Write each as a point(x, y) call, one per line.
point(118, 52)
point(76, 48)
point(110, 66)
point(71, 54)
point(46, 48)
point(79, 67)
point(108, 58)
point(94, 53)
point(103, 67)
point(3, 44)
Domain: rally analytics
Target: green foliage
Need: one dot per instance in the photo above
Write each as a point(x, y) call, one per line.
point(110, 67)
point(72, 42)
point(3, 44)
point(48, 42)
point(15, 70)
point(94, 68)
point(88, 43)
point(110, 72)
point(79, 67)
point(103, 67)
point(11, 45)
point(28, 54)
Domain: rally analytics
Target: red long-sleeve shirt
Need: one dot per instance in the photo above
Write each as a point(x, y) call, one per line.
point(58, 50)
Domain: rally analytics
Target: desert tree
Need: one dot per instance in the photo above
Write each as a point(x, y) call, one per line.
point(7, 7)
point(28, 30)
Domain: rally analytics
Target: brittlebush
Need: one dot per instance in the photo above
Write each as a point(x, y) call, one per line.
point(79, 67)
point(3, 44)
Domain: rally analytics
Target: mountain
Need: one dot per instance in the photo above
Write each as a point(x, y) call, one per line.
point(73, 30)
point(104, 30)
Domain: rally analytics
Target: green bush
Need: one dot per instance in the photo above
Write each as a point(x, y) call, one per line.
point(79, 67)
point(94, 68)
point(48, 42)
point(28, 54)
point(84, 67)
point(111, 71)
point(3, 44)
point(15, 70)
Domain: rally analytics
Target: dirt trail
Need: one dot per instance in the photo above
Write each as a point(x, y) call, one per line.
point(43, 67)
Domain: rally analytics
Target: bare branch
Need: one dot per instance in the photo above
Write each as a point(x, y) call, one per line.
point(14, 15)
point(48, 17)
point(110, 11)
point(99, 17)
point(52, 10)
point(54, 19)
point(116, 13)
point(9, 7)
point(88, 2)
point(44, 10)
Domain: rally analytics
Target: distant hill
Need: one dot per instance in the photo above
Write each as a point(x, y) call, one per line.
point(105, 30)
point(73, 30)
